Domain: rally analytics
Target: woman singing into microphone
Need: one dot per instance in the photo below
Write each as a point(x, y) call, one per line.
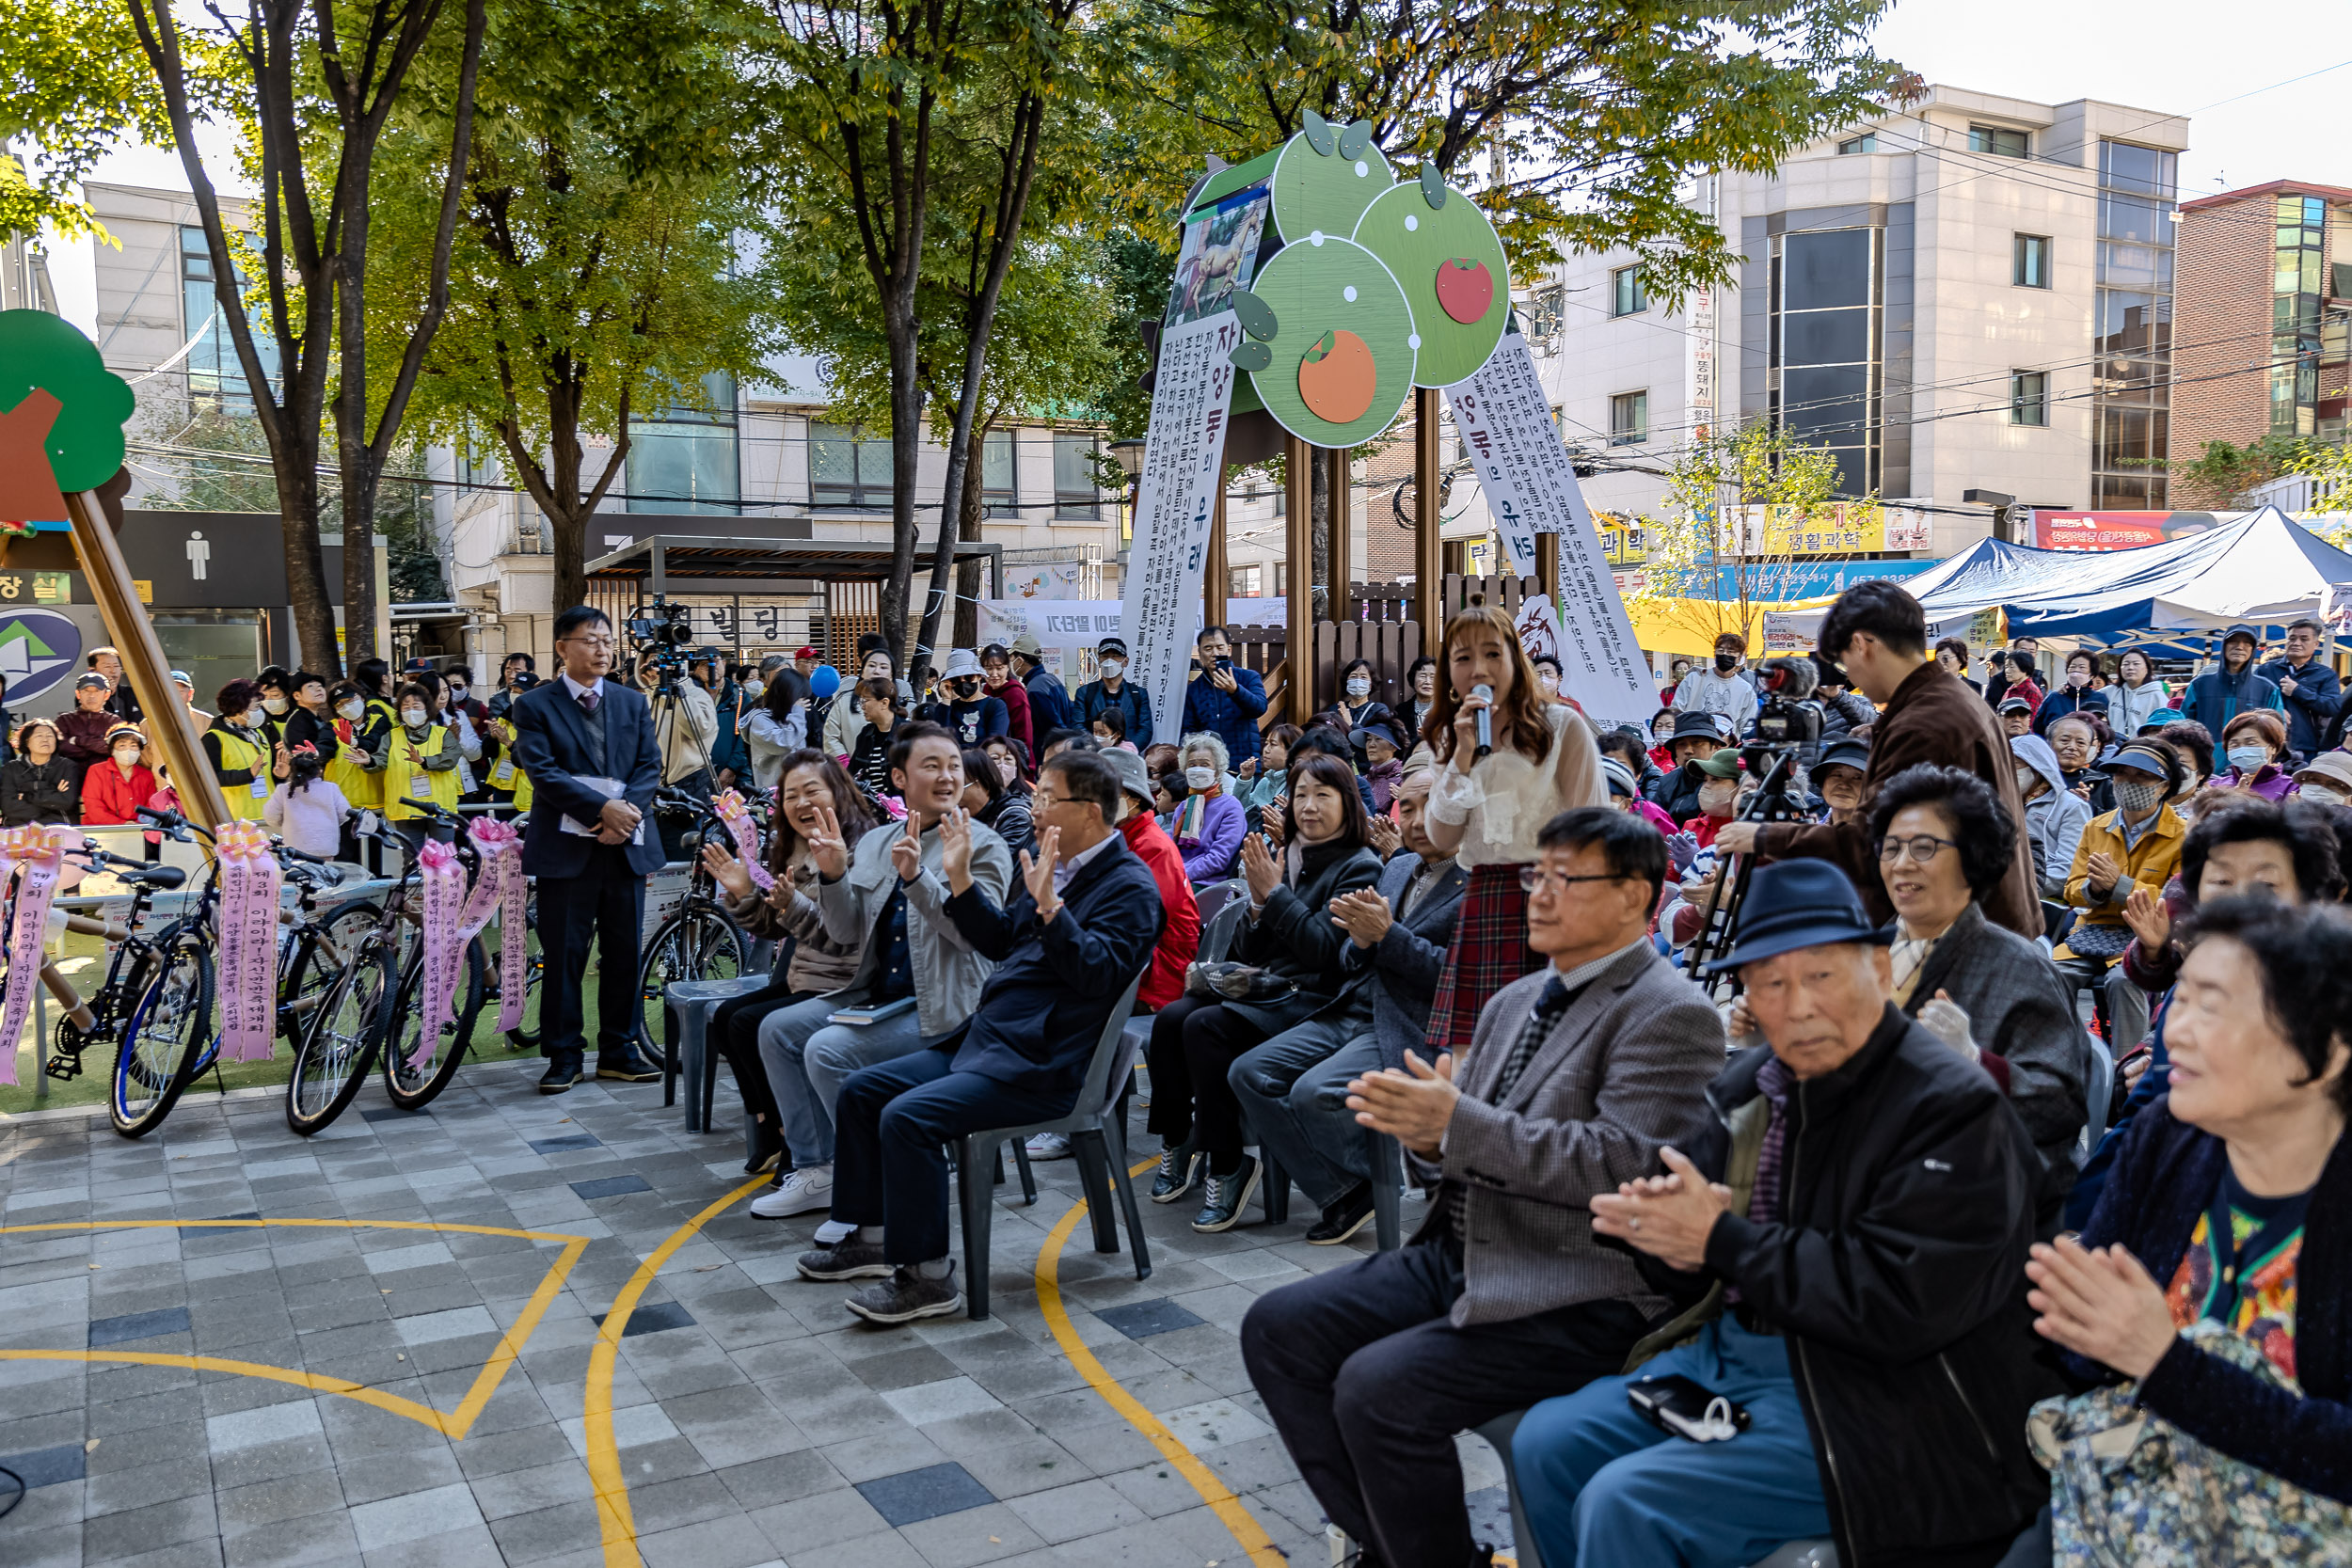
point(1489, 809)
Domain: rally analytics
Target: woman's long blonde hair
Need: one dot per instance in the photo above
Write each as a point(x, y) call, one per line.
point(1530, 736)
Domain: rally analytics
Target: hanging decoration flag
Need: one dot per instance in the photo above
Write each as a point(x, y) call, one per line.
point(38, 853)
point(733, 810)
point(249, 881)
point(1505, 422)
point(443, 879)
point(501, 890)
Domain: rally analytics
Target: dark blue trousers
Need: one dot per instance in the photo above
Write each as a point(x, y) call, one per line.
point(889, 1167)
point(604, 904)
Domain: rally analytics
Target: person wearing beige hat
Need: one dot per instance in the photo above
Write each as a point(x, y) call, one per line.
point(1050, 706)
point(2325, 778)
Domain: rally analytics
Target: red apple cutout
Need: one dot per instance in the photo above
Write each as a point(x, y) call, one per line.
point(1337, 377)
point(1465, 289)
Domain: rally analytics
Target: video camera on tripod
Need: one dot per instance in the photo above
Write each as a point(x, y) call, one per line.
point(662, 631)
point(1786, 723)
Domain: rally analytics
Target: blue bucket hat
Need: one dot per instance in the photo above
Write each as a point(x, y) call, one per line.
point(1793, 904)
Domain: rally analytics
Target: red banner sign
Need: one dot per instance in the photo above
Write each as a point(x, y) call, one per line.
point(2116, 531)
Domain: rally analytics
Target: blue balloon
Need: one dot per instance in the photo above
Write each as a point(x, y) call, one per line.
point(823, 682)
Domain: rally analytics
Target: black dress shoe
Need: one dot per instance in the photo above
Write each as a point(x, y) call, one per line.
point(1346, 1217)
point(561, 1073)
point(766, 1155)
point(631, 1068)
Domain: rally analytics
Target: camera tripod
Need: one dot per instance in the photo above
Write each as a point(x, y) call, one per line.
point(1771, 803)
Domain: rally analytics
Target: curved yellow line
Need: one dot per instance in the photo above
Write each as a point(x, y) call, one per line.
point(1243, 1525)
point(614, 1518)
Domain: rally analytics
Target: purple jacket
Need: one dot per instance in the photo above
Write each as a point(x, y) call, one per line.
point(2270, 782)
point(1210, 853)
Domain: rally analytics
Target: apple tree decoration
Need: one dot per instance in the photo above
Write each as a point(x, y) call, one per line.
point(1374, 287)
point(61, 414)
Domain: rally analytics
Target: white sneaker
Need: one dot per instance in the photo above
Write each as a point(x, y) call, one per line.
point(1049, 1146)
point(804, 1192)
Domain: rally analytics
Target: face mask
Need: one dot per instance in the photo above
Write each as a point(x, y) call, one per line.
point(1201, 778)
point(1717, 801)
point(351, 709)
point(2079, 679)
point(1727, 662)
point(1359, 685)
point(2247, 758)
point(277, 706)
point(127, 756)
point(2026, 781)
point(2322, 794)
point(412, 717)
point(2139, 800)
point(1113, 668)
point(456, 695)
point(254, 715)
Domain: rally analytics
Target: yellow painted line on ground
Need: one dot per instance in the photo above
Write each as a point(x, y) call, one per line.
point(453, 1424)
point(616, 1520)
point(1244, 1524)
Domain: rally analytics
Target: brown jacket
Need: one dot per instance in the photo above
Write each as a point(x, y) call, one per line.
point(1932, 718)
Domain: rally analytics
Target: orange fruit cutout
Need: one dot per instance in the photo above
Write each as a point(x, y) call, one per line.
point(1337, 377)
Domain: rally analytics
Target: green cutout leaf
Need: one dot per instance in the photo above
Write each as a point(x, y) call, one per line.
point(1433, 187)
point(1255, 315)
point(1318, 131)
point(1251, 357)
point(1354, 139)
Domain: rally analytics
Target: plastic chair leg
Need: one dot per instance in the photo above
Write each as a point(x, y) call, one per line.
point(670, 1062)
point(1029, 1177)
point(1274, 1189)
point(976, 1198)
point(1388, 1197)
point(1094, 1180)
point(1115, 1154)
point(690, 1026)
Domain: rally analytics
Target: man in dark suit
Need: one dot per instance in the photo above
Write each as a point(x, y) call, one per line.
point(1082, 926)
point(587, 746)
point(1291, 1088)
point(1577, 1074)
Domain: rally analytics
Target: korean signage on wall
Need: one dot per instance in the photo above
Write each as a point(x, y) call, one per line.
point(2116, 531)
point(1835, 528)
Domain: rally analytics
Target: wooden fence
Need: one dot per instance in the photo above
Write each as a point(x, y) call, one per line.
point(1380, 630)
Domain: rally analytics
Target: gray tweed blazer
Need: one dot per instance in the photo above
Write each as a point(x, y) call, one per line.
point(1622, 1073)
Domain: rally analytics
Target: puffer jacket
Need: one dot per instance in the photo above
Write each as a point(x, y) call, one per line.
point(1294, 936)
point(2055, 819)
point(1897, 1273)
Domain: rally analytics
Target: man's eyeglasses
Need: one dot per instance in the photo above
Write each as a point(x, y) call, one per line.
point(1535, 880)
point(592, 643)
point(1922, 847)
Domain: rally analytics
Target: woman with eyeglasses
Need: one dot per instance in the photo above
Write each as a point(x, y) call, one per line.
point(1944, 842)
point(1296, 944)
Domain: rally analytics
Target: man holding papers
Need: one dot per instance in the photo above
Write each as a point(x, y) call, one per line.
point(919, 978)
point(587, 745)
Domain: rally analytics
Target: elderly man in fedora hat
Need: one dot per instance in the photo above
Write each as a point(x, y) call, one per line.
point(1846, 1235)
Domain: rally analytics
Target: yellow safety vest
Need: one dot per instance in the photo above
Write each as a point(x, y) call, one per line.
point(506, 774)
point(405, 785)
point(236, 753)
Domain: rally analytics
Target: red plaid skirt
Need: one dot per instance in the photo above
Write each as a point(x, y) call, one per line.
point(1489, 951)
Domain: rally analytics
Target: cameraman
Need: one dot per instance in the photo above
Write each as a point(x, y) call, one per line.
point(1880, 633)
point(685, 723)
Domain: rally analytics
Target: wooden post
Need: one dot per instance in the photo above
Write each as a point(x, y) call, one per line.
point(1428, 548)
point(1299, 538)
point(1343, 536)
point(1217, 580)
point(1547, 565)
point(143, 663)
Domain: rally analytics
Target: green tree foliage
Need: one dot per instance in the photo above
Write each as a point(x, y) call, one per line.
point(72, 84)
point(2226, 474)
point(1593, 115)
point(595, 272)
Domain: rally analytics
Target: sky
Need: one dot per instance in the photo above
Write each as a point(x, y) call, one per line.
point(2215, 64)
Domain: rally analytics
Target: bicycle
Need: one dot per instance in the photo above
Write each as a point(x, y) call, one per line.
point(376, 1005)
point(699, 941)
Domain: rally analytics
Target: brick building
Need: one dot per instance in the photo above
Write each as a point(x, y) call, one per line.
point(2260, 311)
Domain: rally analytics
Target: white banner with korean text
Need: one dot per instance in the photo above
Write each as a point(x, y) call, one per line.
point(1504, 419)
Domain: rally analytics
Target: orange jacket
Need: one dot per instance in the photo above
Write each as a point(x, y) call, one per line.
point(1180, 938)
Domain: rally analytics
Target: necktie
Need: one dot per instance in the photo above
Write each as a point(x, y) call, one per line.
point(1541, 1020)
point(588, 702)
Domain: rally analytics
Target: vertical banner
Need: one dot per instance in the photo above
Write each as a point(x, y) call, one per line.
point(1184, 447)
point(1505, 419)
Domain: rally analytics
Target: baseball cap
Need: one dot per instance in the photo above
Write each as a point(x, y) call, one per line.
point(185, 679)
point(2016, 704)
point(92, 678)
point(1844, 753)
point(808, 652)
point(1722, 765)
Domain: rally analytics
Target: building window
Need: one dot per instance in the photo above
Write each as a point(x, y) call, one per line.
point(1629, 418)
point(1866, 142)
point(1824, 371)
point(1000, 490)
point(216, 376)
point(683, 459)
point(2132, 327)
point(848, 467)
point(2032, 261)
point(1626, 297)
point(2029, 397)
point(1077, 490)
point(1547, 310)
point(2294, 316)
point(1241, 583)
point(1998, 140)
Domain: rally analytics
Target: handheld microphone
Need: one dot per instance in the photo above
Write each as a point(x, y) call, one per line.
point(1484, 718)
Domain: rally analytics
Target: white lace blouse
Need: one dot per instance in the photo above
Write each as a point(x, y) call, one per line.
point(1506, 798)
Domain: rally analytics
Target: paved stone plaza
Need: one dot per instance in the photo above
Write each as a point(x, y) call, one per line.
point(226, 1346)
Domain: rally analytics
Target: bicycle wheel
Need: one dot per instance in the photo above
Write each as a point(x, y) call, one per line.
point(340, 1042)
point(525, 1032)
point(414, 1085)
point(695, 943)
point(164, 1038)
point(318, 957)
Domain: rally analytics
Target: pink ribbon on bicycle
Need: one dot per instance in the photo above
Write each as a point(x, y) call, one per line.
point(38, 851)
point(737, 816)
point(443, 879)
point(250, 879)
point(501, 889)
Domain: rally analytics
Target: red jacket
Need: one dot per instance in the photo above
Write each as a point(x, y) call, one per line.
point(108, 797)
point(1016, 700)
point(1180, 938)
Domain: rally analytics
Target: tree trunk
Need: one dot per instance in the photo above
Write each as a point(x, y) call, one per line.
point(967, 623)
point(306, 569)
point(1319, 477)
point(906, 438)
